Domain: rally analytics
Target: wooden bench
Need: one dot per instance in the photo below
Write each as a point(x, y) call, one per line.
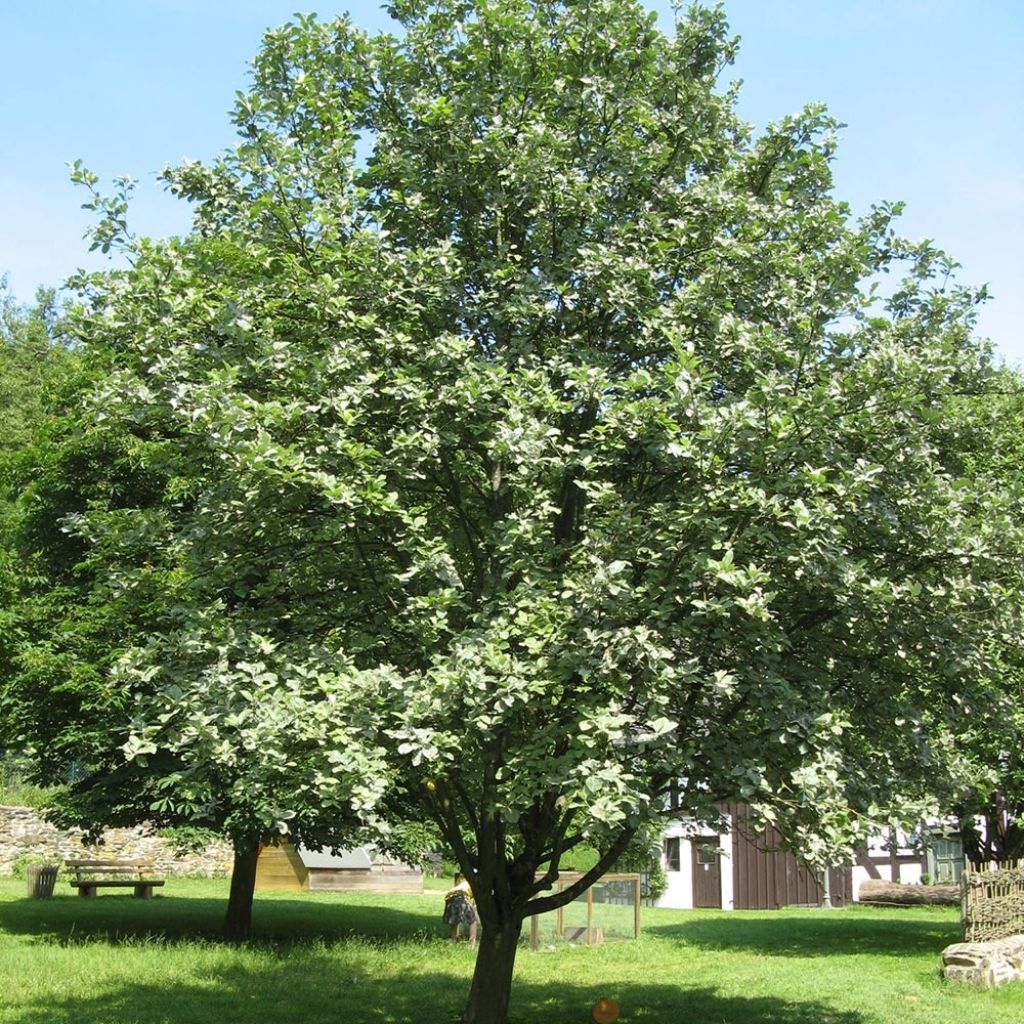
point(91, 875)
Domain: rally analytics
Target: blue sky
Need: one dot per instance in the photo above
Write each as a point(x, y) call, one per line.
point(932, 92)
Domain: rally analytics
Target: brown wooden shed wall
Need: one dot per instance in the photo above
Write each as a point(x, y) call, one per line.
point(766, 877)
point(280, 868)
point(381, 878)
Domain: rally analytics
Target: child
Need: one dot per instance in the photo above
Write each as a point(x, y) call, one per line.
point(459, 910)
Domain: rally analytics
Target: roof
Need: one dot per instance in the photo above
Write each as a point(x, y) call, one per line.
point(359, 859)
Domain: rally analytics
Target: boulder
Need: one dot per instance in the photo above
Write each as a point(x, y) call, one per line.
point(985, 964)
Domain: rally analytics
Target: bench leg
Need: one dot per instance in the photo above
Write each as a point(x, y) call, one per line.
point(87, 891)
point(144, 892)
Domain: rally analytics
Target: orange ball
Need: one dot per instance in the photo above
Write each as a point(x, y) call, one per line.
point(606, 1011)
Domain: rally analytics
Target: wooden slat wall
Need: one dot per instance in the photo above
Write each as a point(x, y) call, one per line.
point(392, 879)
point(280, 869)
point(765, 877)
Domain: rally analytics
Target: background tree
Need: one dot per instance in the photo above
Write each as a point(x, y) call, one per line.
point(33, 361)
point(990, 808)
point(33, 364)
point(563, 434)
point(990, 812)
point(248, 755)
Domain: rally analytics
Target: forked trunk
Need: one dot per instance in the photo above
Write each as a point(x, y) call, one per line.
point(238, 919)
point(492, 978)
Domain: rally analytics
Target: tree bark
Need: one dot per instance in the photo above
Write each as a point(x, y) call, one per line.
point(492, 977)
point(909, 895)
point(238, 919)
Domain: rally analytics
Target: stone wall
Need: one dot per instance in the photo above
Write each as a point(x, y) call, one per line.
point(24, 832)
point(985, 964)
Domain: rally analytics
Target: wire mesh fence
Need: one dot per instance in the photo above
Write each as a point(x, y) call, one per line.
point(608, 911)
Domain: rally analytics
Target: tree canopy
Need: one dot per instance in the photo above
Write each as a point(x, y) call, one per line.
point(988, 799)
point(532, 438)
point(34, 363)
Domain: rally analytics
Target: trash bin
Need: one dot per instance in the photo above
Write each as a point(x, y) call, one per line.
point(40, 879)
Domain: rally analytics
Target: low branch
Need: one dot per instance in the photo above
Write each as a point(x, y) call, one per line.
point(560, 899)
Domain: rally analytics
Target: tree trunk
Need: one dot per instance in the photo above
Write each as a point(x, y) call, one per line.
point(909, 895)
point(238, 919)
point(492, 978)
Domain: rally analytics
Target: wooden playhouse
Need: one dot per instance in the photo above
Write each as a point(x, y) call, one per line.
point(283, 867)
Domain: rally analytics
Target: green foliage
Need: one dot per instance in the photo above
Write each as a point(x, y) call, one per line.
point(76, 617)
point(32, 365)
point(657, 882)
point(644, 855)
point(17, 791)
point(20, 865)
point(184, 839)
point(67, 624)
point(990, 803)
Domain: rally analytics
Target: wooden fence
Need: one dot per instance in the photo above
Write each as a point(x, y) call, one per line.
point(992, 902)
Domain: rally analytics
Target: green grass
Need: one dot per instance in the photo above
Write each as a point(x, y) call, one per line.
point(16, 792)
point(384, 960)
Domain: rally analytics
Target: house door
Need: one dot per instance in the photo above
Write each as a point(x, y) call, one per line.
point(707, 872)
point(945, 859)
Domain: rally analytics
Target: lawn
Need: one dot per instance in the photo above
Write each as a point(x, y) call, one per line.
point(383, 960)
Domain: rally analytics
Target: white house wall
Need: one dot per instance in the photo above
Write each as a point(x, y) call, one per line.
point(899, 859)
point(678, 894)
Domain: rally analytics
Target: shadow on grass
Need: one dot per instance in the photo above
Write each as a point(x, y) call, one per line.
point(835, 934)
point(316, 989)
point(122, 918)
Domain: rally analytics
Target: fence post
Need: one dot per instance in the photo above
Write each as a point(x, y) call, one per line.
point(636, 908)
point(965, 889)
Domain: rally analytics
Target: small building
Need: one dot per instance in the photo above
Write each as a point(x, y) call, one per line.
point(933, 854)
point(731, 868)
point(692, 858)
point(283, 867)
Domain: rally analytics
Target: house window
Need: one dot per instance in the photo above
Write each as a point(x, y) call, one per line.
point(672, 854)
point(707, 853)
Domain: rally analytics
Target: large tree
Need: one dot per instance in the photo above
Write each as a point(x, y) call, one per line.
point(509, 380)
point(251, 747)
